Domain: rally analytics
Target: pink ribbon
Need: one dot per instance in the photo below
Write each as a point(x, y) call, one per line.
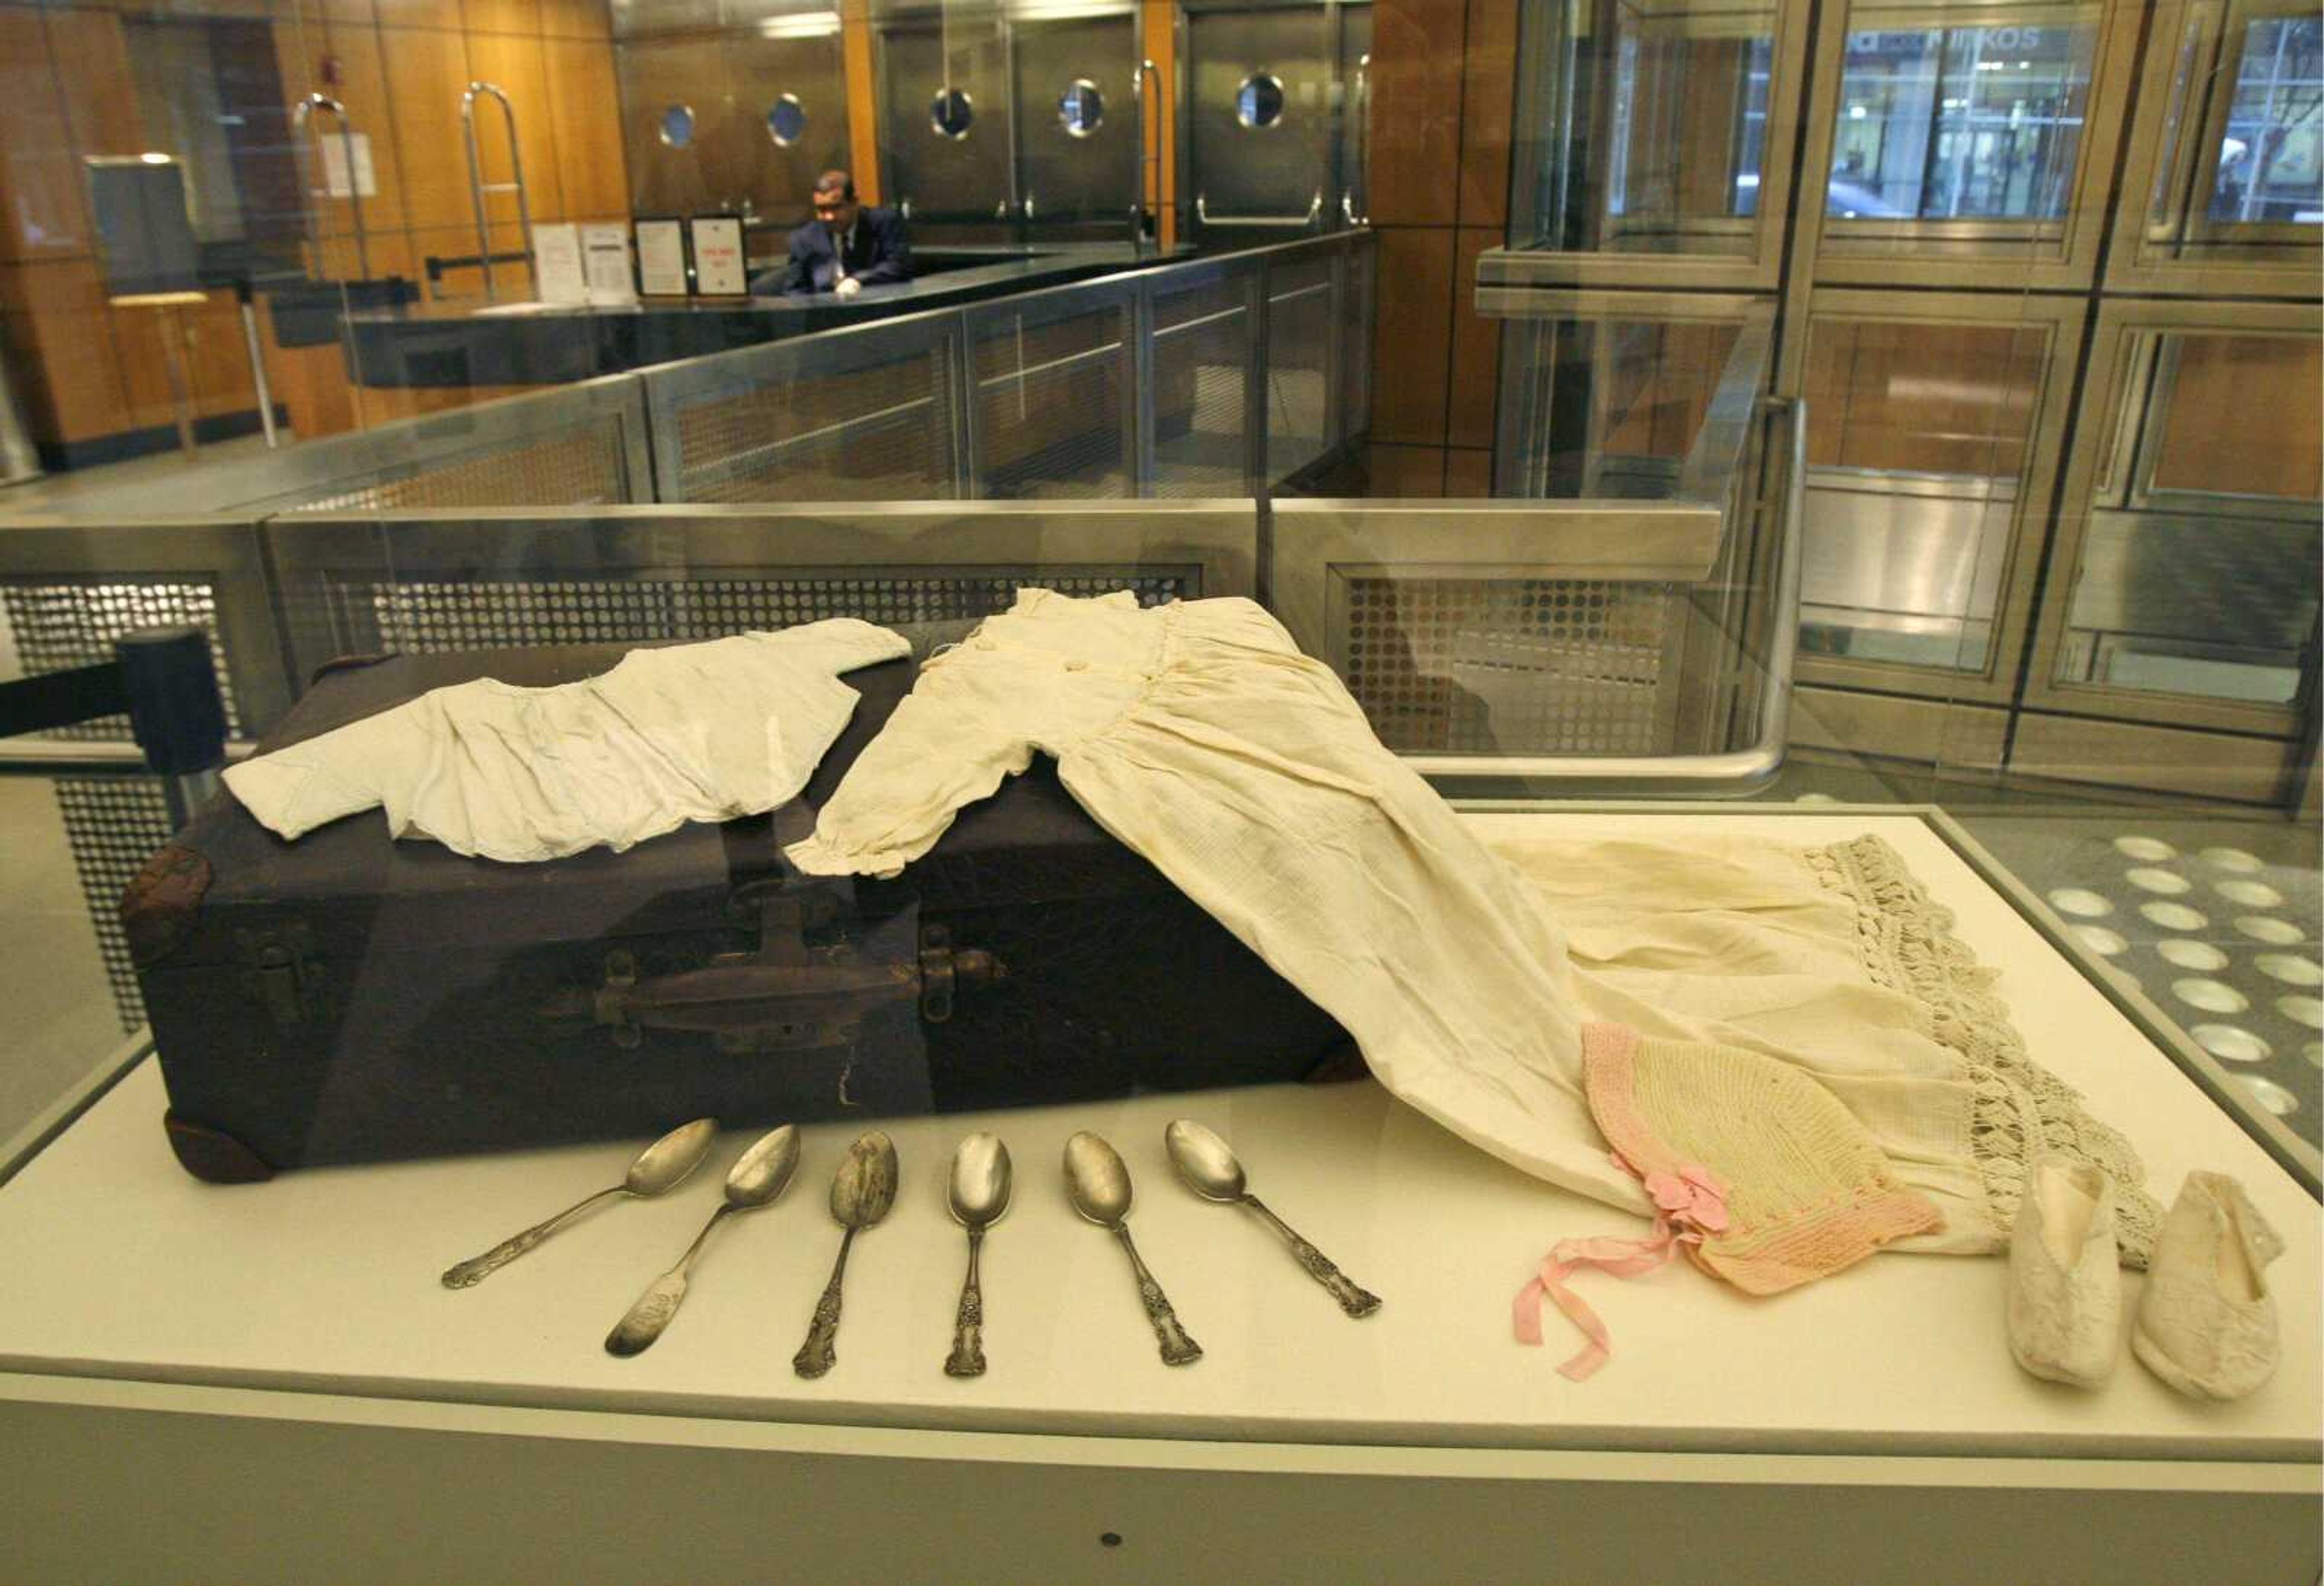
point(1691, 1204)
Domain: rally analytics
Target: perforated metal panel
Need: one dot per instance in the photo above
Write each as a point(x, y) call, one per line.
point(580, 466)
point(1200, 362)
point(1513, 666)
point(436, 617)
point(882, 431)
point(1301, 323)
point(57, 625)
point(1053, 409)
point(113, 825)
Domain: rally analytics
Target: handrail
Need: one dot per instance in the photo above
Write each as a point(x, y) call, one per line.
point(1147, 153)
point(309, 156)
point(477, 188)
point(1305, 222)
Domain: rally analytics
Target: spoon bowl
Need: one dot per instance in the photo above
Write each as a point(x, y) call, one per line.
point(762, 1173)
point(1098, 1180)
point(979, 1194)
point(863, 1190)
point(661, 1168)
point(1205, 1161)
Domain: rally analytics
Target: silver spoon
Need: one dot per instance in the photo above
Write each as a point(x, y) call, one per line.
point(862, 1191)
point(660, 1166)
point(978, 1197)
point(756, 1179)
point(1100, 1185)
point(1211, 1172)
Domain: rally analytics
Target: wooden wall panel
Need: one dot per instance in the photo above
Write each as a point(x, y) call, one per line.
point(585, 116)
point(362, 89)
point(426, 72)
point(1468, 473)
point(861, 75)
point(1410, 360)
point(575, 19)
point(442, 16)
point(1417, 70)
point(517, 66)
point(1405, 471)
point(92, 68)
point(57, 321)
point(1474, 396)
point(2245, 415)
point(1487, 106)
point(501, 16)
point(1935, 398)
point(40, 177)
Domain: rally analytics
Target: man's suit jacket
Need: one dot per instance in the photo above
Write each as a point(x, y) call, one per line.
point(877, 252)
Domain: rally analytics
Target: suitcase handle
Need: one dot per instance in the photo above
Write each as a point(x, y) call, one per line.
point(782, 997)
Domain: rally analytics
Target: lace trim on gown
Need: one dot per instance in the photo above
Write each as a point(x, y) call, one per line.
point(2021, 1109)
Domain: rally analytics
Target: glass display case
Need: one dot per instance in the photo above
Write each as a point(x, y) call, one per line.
point(1819, 783)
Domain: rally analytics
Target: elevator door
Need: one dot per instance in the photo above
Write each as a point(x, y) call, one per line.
point(1274, 116)
point(1076, 122)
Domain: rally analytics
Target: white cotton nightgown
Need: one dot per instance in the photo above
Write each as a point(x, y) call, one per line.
point(1198, 735)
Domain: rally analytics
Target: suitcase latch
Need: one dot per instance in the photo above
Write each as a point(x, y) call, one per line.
point(278, 971)
point(786, 996)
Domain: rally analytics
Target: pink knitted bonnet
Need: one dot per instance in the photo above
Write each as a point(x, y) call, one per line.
point(1804, 1190)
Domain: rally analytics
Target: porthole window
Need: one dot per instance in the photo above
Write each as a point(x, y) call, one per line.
point(1259, 102)
point(785, 121)
point(952, 113)
point(1081, 108)
point(678, 125)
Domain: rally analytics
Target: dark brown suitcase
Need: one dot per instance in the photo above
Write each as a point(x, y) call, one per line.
point(347, 998)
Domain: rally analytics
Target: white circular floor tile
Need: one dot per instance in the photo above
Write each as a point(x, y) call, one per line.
point(2252, 894)
point(2175, 916)
point(2169, 883)
point(2210, 996)
point(2101, 941)
point(2259, 928)
point(2305, 1011)
point(2080, 902)
point(2314, 1052)
point(2270, 1095)
point(1815, 798)
point(2232, 1042)
point(2292, 969)
point(2148, 850)
point(2233, 861)
point(2188, 954)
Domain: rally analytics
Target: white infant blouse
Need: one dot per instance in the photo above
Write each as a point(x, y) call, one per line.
point(693, 732)
point(1198, 735)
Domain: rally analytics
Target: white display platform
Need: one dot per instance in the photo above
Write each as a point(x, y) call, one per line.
point(242, 1302)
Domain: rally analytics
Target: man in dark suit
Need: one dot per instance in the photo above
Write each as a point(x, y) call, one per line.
point(846, 247)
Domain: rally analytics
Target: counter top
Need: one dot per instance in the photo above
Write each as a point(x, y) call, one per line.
point(326, 1280)
point(469, 342)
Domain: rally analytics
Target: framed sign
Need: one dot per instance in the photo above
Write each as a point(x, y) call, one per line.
point(661, 258)
point(718, 268)
point(606, 262)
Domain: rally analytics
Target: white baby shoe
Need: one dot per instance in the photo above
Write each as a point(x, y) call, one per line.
point(2206, 1325)
point(2065, 1285)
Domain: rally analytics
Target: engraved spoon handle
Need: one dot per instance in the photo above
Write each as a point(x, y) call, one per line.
point(818, 1355)
point(1179, 1347)
point(967, 1358)
point(476, 1268)
point(1355, 1301)
point(634, 1333)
